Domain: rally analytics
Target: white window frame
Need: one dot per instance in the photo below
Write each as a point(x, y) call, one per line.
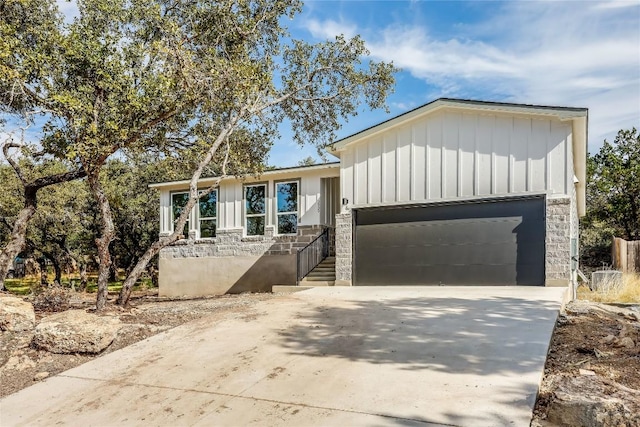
point(207, 218)
point(296, 212)
point(247, 215)
point(173, 219)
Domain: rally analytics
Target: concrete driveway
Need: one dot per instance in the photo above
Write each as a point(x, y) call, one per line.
point(463, 356)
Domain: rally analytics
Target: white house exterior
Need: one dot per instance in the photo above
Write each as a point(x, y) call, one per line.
point(239, 256)
point(454, 192)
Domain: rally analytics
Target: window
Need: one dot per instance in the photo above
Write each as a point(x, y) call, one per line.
point(255, 211)
point(178, 202)
point(208, 214)
point(287, 207)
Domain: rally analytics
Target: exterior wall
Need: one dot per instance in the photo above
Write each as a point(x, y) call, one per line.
point(231, 263)
point(451, 154)
point(231, 199)
point(344, 248)
point(219, 276)
point(559, 216)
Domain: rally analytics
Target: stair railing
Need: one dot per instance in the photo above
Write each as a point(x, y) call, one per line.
point(311, 255)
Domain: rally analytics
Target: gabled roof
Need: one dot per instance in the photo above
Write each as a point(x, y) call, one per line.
point(561, 113)
point(577, 116)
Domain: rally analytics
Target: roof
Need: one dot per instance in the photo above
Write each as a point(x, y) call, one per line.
point(577, 116)
point(562, 113)
point(206, 181)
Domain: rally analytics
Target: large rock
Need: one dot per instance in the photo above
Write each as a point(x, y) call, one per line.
point(16, 314)
point(75, 331)
point(582, 401)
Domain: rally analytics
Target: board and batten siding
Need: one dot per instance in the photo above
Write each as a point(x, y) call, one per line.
point(451, 154)
point(231, 198)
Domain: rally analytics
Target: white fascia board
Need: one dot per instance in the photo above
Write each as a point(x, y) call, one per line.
point(271, 174)
point(580, 137)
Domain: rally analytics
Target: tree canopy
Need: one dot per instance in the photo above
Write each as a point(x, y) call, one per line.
point(613, 197)
point(209, 81)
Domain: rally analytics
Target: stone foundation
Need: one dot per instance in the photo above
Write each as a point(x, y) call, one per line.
point(232, 263)
point(228, 243)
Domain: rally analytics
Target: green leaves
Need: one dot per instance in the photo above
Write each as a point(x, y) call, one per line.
point(613, 191)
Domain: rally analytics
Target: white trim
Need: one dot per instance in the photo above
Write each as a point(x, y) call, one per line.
point(206, 182)
point(244, 208)
point(297, 211)
point(207, 218)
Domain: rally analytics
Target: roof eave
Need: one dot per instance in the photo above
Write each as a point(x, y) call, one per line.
point(562, 113)
point(186, 182)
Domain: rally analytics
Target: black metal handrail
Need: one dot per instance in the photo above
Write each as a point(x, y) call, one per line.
point(311, 255)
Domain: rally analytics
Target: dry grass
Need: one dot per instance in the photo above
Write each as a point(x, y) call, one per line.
point(627, 292)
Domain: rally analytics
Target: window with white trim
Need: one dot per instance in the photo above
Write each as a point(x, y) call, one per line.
point(178, 202)
point(255, 209)
point(208, 214)
point(287, 207)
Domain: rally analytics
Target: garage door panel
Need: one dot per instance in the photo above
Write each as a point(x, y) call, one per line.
point(440, 231)
point(449, 275)
point(428, 254)
point(487, 243)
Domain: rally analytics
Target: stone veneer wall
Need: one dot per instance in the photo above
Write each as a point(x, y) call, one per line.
point(561, 226)
point(229, 243)
point(344, 248)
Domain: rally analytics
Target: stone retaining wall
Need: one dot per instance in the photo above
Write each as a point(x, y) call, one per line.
point(229, 243)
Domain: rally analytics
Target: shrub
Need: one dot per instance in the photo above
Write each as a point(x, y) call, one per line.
point(51, 298)
point(626, 292)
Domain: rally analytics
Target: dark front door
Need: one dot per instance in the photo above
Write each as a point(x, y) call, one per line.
point(500, 242)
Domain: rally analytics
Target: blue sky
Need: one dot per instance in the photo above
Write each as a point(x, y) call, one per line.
point(571, 53)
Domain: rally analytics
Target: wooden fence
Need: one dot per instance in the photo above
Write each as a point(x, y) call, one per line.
point(626, 255)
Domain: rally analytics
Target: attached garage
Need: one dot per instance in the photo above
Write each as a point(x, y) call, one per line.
point(487, 242)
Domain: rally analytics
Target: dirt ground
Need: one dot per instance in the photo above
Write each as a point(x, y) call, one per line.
point(21, 364)
point(587, 342)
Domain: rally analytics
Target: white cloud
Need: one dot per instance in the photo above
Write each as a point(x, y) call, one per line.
point(552, 53)
point(329, 29)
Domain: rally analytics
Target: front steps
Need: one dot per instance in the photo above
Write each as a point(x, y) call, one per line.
point(323, 275)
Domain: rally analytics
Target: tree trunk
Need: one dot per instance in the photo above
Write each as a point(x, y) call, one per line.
point(44, 281)
point(141, 265)
point(136, 272)
point(56, 266)
point(83, 277)
point(18, 236)
point(19, 232)
point(113, 271)
point(102, 242)
point(58, 271)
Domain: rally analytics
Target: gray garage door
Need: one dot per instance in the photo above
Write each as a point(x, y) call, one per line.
point(480, 243)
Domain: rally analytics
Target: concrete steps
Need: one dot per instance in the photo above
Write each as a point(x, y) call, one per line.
point(323, 275)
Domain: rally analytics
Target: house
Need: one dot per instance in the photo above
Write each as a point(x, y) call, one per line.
point(455, 192)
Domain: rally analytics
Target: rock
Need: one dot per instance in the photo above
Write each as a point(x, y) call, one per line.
point(19, 362)
point(624, 331)
point(40, 376)
point(581, 401)
point(75, 331)
point(626, 342)
point(608, 339)
point(586, 372)
point(16, 314)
